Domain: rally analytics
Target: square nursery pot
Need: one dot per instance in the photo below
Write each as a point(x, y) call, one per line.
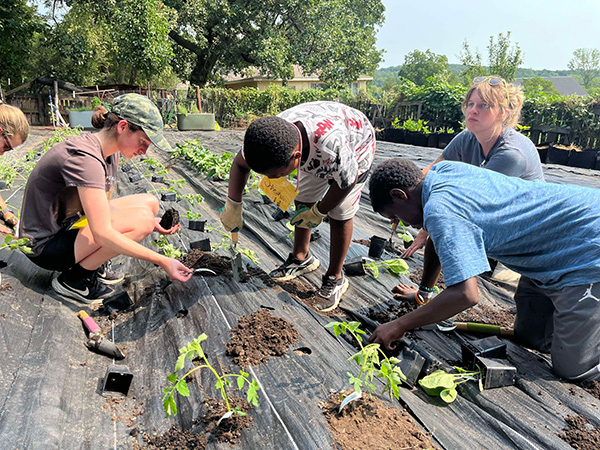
point(444, 139)
point(2, 184)
point(140, 190)
point(489, 347)
point(394, 135)
point(81, 119)
point(356, 266)
point(377, 246)
point(597, 160)
point(433, 140)
point(204, 121)
point(584, 160)
point(169, 197)
point(126, 167)
point(543, 152)
point(117, 381)
point(202, 245)
point(197, 225)
point(411, 364)
point(158, 178)
point(315, 235)
point(135, 177)
point(420, 139)
point(558, 156)
point(279, 214)
point(495, 373)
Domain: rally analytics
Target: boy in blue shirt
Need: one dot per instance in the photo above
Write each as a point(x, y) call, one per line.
point(549, 233)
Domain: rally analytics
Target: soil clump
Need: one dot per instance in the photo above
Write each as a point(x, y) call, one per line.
point(169, 219)
point(172, 439)
point(393, 310)
point(230, 429)
point(493, 315)
point(368, 423)
point(416, 276)
point(197, 259)
point(259, 336)
point(581, 434)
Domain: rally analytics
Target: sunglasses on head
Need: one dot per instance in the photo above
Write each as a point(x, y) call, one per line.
point(494, 81)
point(5, 136)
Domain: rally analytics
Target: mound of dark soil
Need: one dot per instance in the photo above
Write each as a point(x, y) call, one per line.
point(196, 259)
point(494, 315)
point(416, 276)
point(173, 439)
point(169, 219)
point(230, 429)
point(259, 336)
point(581, 434)
point(368, 423)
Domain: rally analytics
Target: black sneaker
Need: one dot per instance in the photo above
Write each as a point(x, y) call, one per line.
point(86, 290)
point(331, 292)
point(108, 276)
point(293, 267)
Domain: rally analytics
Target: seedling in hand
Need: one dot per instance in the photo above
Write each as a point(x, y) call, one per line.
point(373, 362)
point(178, 384)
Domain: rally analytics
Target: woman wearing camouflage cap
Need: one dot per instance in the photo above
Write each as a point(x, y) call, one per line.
point(73, 225)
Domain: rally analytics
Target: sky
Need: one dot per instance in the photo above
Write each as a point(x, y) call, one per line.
point(546, 31)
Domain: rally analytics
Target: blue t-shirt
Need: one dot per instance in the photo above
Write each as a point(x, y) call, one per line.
point(512, 154)
point(545, 231)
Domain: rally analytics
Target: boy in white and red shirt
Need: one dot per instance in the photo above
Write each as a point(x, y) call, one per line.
point(332, 146)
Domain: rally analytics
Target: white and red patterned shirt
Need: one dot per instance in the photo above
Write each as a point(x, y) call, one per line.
point(342, 140)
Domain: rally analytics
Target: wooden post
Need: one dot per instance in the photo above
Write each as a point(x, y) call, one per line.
point(199, 100)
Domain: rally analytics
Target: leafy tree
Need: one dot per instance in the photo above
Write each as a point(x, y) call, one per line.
point(418, 66)
point(18, 23)
point(335, 38)
point(586, 64)
point(537, 85)
point(504, 59)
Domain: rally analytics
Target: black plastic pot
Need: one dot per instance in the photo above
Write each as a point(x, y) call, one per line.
point(377, 246)
point(584, 160)
point(2, 184)
point(356, 266)
point(158, 178)
point(395, 135)
point(135, 177)
point(202, 245)
point(420, 139)
point(598, 160)
point(169, 197)
point(558, 156)
point(543, 152)
point(410, 137)
point(489, 347)
point(444, 139)
point(411, 364)
point(126, 167)
point(433, 140)
point(266, 199)
point(315, 235)
point(495, 373)
point(279, 214)
point(197, 225)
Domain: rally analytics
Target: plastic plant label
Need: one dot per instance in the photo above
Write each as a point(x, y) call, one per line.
point(280, 190)
point(227, 415)
point(354, 396)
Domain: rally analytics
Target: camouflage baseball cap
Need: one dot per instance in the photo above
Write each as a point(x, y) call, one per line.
point(139, 110)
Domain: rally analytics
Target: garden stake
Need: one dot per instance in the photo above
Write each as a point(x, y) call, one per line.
point(390, 243)
point(236, 258)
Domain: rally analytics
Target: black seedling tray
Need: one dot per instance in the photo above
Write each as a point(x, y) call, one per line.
point(489, 347)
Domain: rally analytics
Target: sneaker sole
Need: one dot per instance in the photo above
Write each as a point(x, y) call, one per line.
point(110, 282)
point(338, 300)
point(314, 266)
point(65, 292)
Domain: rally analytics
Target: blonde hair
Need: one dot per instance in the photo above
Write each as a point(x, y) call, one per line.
point(497, 96)
point(13, 121)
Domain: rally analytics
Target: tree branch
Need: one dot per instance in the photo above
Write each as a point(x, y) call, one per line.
point(185, 43)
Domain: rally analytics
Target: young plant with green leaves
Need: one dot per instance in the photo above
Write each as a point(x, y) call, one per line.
point(396, 266)
point(226, 244)
point(191, 215)
point(405, 235)
point(13, 243)
point(193, 199)
point(443, 384)
point(167, 249)
point(373, 363)
point(179, 384)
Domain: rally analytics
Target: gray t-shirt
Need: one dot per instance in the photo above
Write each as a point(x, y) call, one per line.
point(512, 154)
point(51, 201)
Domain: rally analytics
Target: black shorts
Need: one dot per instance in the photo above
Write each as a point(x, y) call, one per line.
point(59, 253)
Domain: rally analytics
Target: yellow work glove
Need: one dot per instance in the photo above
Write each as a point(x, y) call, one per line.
point(307, 217)
point(231, 216)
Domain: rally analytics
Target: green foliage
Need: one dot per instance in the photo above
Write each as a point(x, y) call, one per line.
point(213, 165)
point(11, 243)
point(538, 85)
point(226, 244)
point(418, 66)
point(192, 215)
point(59, 135)
point(419, 126)
point(372, 361)
point(179, 384)
point(167, 249)
point(504, 59)
point(395, 266)
point(586, 64)
point(442, 384)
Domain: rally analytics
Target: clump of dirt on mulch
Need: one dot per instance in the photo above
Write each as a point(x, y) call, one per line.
point(393, 311)
point(259, 336)
point(368, 423)
point(593, 387)
point(169, 219)
point(230, 429)
point(581, 434)
point(416, 276)
point(256, 272)
point(197, 259)
point(172, 439)
point(494, 315)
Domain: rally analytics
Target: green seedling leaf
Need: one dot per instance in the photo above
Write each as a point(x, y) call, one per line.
point(182, 388)
point(448, 395)
point(180, 363)
point(170, 406)
point(397, 266)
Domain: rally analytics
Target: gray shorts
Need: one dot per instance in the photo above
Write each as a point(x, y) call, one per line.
point(564, 322)
point(312, 189)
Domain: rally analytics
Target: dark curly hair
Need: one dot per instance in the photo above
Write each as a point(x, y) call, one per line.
point(269, 142)
point(395, 173)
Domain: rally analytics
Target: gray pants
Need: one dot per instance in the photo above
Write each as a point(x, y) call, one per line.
point(564, 322)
